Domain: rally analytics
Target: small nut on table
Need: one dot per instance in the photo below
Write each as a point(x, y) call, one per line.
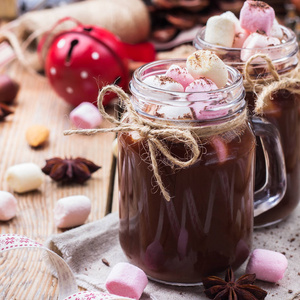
point(36, 135)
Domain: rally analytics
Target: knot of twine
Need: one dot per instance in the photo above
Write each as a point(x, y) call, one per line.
point(264, 88)
point(158, 132)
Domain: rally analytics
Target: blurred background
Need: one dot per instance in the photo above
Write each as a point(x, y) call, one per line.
point(169, 18)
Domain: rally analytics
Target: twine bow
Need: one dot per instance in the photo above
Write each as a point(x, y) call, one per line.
point(157, 132)
point(154, 132)
point(265, 88)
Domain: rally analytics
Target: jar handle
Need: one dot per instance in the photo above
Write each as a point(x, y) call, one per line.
point(274, 187)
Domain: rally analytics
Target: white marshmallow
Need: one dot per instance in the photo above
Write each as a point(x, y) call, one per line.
point(204, 109)
point(231, 16)
point(8, 206)
point(24, 177)
point(72, 211)
point(240, 34)
point(164, 82)
point(256, 41)
point(175, 112)
point(204, 63)
point(220, 147)
point(220, 31)
point(276, 30)
point(180, 75)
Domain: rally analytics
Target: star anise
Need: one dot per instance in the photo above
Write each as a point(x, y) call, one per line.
point(4, 111)
point(230, 289)
point(70, 170)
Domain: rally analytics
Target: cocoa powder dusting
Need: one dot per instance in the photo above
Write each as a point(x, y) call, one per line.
point(259, 4)
point(261, 32)
point(207, 81)
point(165, 79)
point(159, 115)
point(178, 70)
point(197, 61)
point(186, 117)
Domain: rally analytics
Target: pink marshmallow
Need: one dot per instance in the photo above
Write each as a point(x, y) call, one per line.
point(164, 83)
point(239, 38)
point(199, 86)
point(267, 265)
point(86, 116)
point(8, 206)
point(126, 280)
point(231, 16)
point(202, 110)
point(258, 41)
point(220, 148)
point(257, 16)
point(155, 255)
point(95, 296)
point(180, 75)
point(182, 243)
point(72, 211)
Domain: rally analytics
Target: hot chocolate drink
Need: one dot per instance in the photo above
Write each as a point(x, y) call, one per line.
point(207, 225)
point(284, 113)
point(257, 32)
point(182, 221)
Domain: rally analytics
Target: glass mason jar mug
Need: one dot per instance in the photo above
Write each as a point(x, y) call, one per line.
point(283, 111)
point(207, 224)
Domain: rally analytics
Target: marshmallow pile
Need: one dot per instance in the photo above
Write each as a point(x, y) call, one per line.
point(204, 72)
point(256, 27)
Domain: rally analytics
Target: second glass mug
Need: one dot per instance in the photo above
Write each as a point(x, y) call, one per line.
point(284, 113)
point(207, 225)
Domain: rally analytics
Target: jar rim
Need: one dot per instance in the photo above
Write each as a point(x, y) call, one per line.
point(229, 99)
point(292, 40)
point(238, 79)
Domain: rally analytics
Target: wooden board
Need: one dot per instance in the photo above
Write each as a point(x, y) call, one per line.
point(23, 273)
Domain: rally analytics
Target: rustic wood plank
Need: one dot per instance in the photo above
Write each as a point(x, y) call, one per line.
point(23, 273)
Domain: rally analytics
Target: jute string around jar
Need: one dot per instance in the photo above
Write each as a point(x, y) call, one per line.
point(264, 88)
point(158, 132)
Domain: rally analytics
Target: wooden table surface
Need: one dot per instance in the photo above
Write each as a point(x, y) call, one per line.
point(23, 273)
